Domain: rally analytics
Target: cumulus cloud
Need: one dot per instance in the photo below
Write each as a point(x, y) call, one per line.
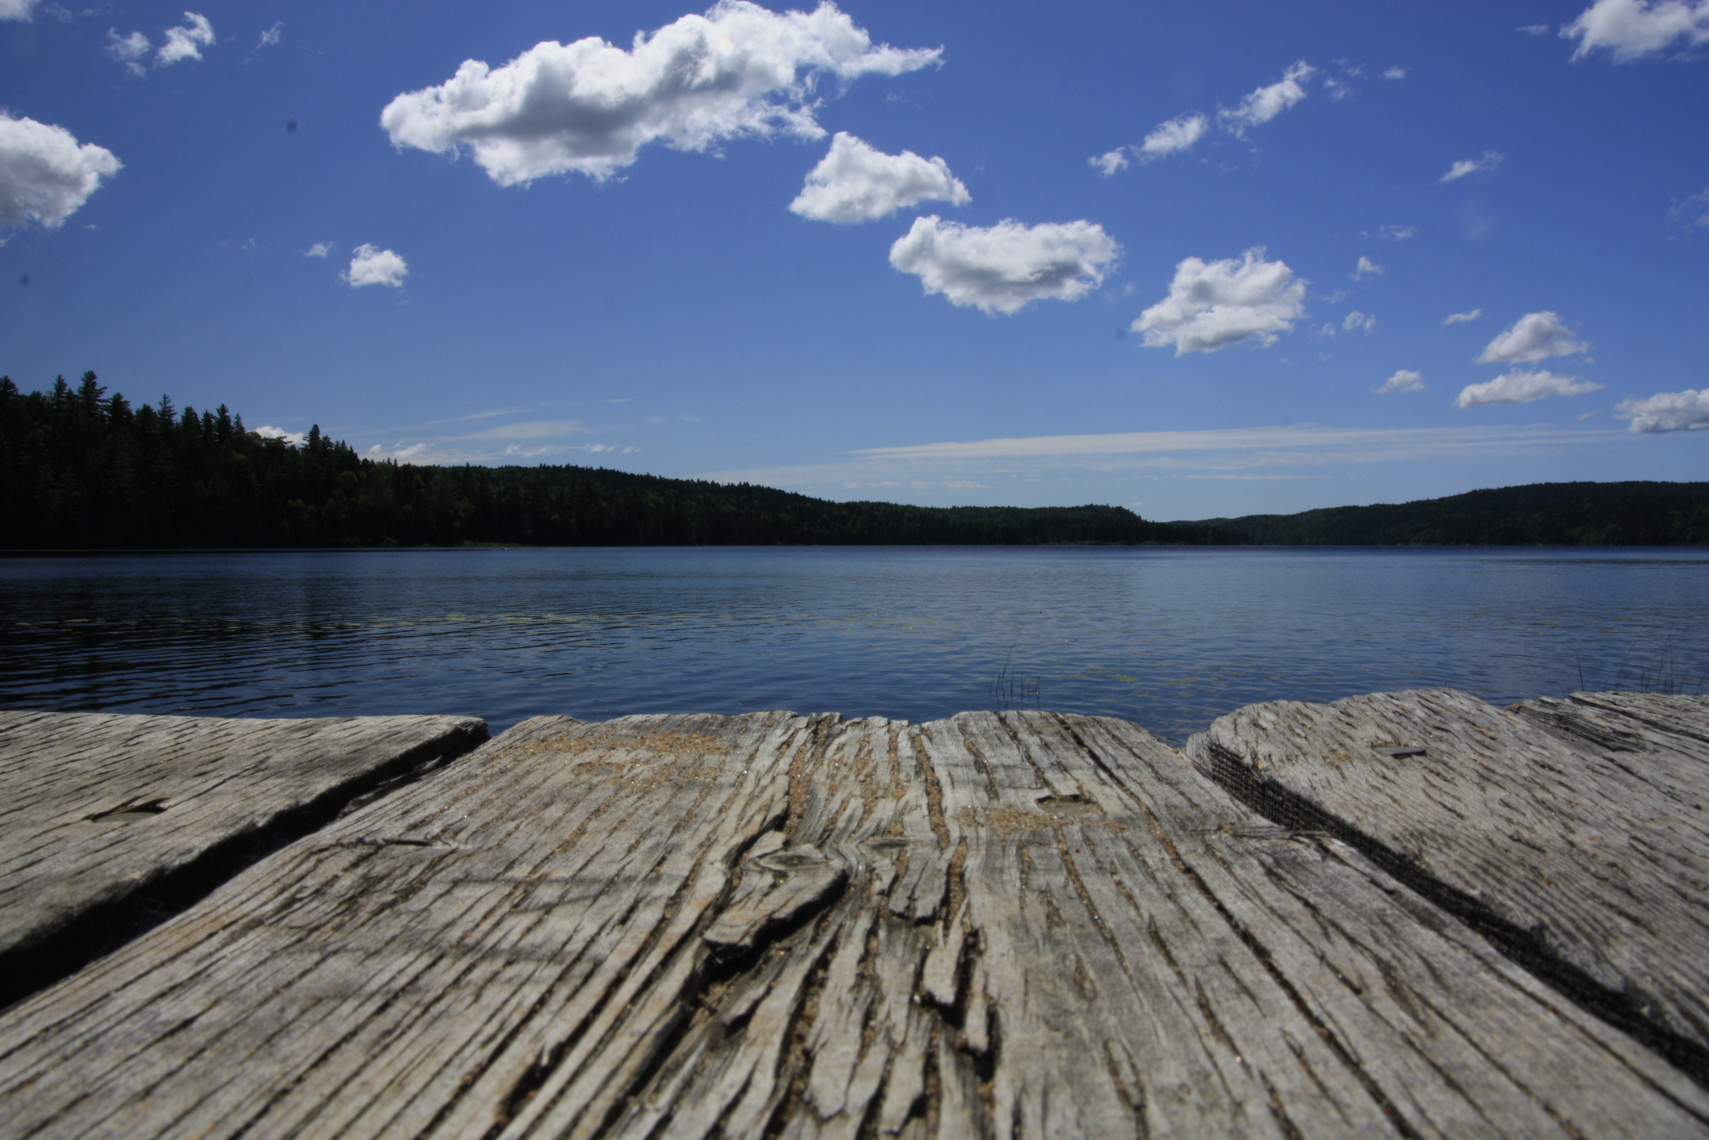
point(268, 431)
point(45, 173)
point(129, 50)
point(1633, 29)
point(1005, 267)
point(1520, 387)
point(1178, 134)
point(1266, 103)
point(1533, 337)
point(1366, 268)
point(318, 249)
point(1184, 131)
point(1212, 305)
point(589, 107)
point(1667, 411)
point(16, 9)
point(1395, 73)
point(271, 35)
point(185, 41)
point(1355, 321)
point(1462, 318)
point(1404, 380)
point(372, 265)
point(1490, 160)
point(1109, 162)
point(857, 183)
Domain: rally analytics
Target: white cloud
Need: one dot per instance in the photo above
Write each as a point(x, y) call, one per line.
point(1395, 73)
point(1005, 267)
point(318, 249)
point(1404, 380)
point(1393, 233)
point(1178, 134)
point(16, 9)
point(374, 266)
point(1266, 103)
point(589, 107)
point(1490, 160)
point(399, 453)
point(271, 35)
point(45, 173)
point(1691, 213)
point(1633, 29)
point(1667, 411)
point(185, 41)
point(1268, 452)
point(857, 183)
point(1356, 321)
point(1337, 89)
point(1212, 305)
point(1533, 337)
point(1534, 29)
point(1462, 318)
point(1109, 162)
point(268, 431)
point(1520, 387)
point(128, 50)
point(1366, 268)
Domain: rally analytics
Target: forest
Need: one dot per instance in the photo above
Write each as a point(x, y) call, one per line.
point(80, 469)
point(1541, 514)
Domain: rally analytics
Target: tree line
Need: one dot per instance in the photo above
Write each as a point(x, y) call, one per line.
point(80, 469)
point(1540, 514)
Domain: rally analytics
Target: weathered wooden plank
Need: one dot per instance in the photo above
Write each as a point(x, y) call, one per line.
point(1573, 832)
point(995, 925)
point(103, 815)
point(1666, 728)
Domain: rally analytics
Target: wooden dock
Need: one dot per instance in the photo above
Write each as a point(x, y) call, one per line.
point(81, 870)
point(1408, 914)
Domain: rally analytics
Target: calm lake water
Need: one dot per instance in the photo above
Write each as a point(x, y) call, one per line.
point(1171, 638)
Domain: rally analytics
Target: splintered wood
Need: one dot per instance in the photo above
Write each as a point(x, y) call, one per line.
point(1584, 846)
point(96, 807)
point(996, 925)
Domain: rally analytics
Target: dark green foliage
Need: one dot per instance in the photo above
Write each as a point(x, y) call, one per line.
point(1542, 514)
point(81, 470)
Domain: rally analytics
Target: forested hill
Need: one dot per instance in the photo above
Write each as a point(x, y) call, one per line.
point(81, 469)
point(1541, 514)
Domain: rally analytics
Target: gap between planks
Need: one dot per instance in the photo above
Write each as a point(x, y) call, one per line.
point(1013, 924)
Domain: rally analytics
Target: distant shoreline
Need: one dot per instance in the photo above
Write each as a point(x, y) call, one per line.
point(81, 470)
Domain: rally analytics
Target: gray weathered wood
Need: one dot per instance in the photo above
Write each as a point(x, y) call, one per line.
point(1664, 727)
point(96, 808)
point(1575, 828)
point(996, 925)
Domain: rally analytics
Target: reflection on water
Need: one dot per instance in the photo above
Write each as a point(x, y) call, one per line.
point(1170, 638)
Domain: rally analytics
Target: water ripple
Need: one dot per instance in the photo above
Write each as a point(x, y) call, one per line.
point(1170, 638)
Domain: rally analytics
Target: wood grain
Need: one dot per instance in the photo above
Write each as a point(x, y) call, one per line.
point(101, 811)
point(1572, 831)
point(1006, 925)
point(1666, 729)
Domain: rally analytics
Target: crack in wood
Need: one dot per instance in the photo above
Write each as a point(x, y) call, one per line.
point(996, 925)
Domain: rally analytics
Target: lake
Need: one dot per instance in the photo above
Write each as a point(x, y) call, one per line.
point(1168, 637)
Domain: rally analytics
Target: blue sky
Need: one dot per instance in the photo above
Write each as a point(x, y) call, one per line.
point(1196, 259)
